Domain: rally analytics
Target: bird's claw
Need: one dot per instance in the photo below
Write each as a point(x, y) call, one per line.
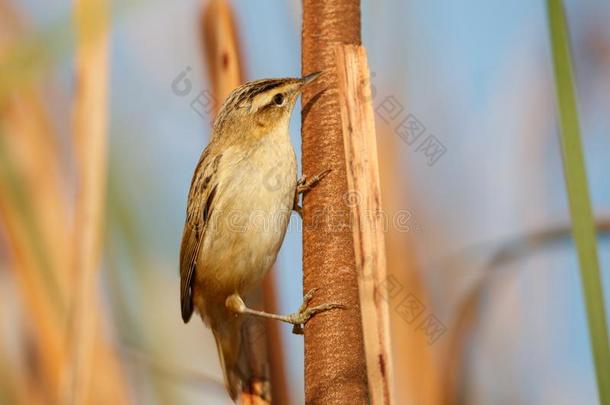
point(299, 319)
point(305, 184)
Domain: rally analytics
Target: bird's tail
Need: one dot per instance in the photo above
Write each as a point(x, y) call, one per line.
point(228, 343)
point(241, 369)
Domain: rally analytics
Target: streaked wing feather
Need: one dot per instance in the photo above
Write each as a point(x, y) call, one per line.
point(198, 211)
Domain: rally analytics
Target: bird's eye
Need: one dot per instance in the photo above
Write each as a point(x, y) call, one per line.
point(278, 99)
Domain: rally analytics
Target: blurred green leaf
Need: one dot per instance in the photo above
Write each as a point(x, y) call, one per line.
point(583, 227)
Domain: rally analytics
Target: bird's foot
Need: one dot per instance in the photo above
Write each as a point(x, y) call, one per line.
point(300, 318)
point(304, 184)
point(236, 305)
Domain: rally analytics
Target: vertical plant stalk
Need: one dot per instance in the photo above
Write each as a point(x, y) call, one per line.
point(222, 55)
point(360, 145)
point(468, 312)
point(335, 367)
point(583, 227)
point(32, 211)
point(36, 212)
point(90, 127)
point(29, 262)
point(279, 382)
point(221, 49)
point(415, 358)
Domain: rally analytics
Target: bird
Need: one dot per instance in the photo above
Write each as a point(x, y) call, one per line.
point(242, 193)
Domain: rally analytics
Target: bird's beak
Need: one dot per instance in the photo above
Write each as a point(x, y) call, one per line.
point(310, 78)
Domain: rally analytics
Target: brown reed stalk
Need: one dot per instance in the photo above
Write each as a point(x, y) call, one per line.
point(277, 372)
point(224, 62)
point(335, 367)
point(360, 145)
point(221, 49)
point(414, 357)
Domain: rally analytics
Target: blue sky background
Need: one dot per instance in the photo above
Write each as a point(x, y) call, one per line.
point(477, 74)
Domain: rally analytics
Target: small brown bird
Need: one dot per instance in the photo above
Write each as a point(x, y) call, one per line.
point(242, 193)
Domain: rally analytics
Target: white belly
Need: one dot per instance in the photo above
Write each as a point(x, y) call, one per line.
point(251, 212)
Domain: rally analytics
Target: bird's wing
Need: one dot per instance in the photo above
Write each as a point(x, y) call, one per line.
point(199, 208)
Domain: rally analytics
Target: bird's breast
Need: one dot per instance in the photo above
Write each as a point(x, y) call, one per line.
point(251, 213)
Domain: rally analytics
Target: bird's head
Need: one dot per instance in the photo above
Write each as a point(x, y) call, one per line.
point(260, 107)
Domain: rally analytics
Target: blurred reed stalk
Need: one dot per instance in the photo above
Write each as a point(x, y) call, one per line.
point(468, 312)
point(221, 49)
point(414, 360)
point(583, 228)
point(461, 333)
point(33, 214)
point(130, 293)
point(90, 140)
point(225, 68)
point(335, 366)
point(35, 211)
point(14, 385)
point(360, 146)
